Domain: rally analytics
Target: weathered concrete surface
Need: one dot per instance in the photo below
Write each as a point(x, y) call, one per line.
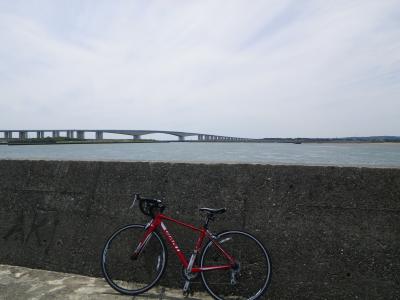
point(19, 283)
point(333, 233)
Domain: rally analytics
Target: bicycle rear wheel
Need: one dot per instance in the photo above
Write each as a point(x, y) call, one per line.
point(133, 276)
point(252, 275)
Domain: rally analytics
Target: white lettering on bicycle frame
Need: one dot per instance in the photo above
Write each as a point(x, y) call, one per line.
point(171, 239)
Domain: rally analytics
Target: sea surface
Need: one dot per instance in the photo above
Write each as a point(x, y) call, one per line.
point(372, 155)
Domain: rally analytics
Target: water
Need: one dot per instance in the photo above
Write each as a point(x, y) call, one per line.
point(373, 155)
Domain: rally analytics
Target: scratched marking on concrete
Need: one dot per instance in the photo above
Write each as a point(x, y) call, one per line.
point(42, 220)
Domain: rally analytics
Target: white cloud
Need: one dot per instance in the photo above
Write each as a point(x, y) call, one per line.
point(233, 68)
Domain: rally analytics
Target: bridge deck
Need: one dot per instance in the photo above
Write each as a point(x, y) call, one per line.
point(80, 133)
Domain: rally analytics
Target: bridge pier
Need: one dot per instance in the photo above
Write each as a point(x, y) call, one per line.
point(80, 134)
point(181, 138)
point(22, 135)
point(55, 134)
point(8, 135)
point(99, 135)
point(136, 137)
point(39, 134)
point(70, 134)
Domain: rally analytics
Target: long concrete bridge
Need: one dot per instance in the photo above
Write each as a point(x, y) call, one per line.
point(136, 134)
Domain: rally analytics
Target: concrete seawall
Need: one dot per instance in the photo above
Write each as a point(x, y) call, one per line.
point(332, 232)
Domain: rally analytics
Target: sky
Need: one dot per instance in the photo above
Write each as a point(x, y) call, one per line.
point(235, 68)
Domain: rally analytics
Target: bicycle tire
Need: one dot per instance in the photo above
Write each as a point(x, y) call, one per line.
point(254, 275)
point(143, 273)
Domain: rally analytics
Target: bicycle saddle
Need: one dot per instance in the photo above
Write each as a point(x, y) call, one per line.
point(213, 210)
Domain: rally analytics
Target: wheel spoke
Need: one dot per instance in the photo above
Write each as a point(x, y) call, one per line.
point(253, 275)
point(133, 276)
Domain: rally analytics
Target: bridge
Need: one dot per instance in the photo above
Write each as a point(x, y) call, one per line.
point(136, 134)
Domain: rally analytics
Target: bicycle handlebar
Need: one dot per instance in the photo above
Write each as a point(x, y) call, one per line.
point(147, 205)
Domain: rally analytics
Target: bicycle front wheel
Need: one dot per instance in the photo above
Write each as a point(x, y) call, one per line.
point(133, 276)
point(251, 275)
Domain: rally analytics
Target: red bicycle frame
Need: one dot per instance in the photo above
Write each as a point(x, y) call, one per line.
point(203, 232)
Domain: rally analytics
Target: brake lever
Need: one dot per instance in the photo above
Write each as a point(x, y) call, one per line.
point(134, 200)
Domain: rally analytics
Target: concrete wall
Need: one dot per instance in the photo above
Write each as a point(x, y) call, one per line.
point(333, 233)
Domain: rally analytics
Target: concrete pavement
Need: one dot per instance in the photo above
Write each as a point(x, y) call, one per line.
point(23, 283)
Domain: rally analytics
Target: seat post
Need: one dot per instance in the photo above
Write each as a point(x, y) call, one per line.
point(210, 217)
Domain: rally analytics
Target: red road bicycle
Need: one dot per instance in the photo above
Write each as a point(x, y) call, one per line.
point(232, 264)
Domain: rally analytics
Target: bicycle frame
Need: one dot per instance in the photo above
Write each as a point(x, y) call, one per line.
point(203, 232)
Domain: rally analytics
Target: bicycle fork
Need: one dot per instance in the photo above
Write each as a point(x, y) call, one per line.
point(142, 244)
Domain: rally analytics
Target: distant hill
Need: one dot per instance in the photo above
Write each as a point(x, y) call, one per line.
point(353, 139)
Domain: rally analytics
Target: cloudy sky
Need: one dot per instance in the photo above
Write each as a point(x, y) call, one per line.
point(238, 68)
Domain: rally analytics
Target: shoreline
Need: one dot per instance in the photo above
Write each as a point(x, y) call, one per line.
point(15, 143)
point(82, 143)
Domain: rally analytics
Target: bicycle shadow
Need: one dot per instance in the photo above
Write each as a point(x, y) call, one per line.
point(160, 294)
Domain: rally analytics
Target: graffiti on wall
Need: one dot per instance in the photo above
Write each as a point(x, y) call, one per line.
point(36, 226)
